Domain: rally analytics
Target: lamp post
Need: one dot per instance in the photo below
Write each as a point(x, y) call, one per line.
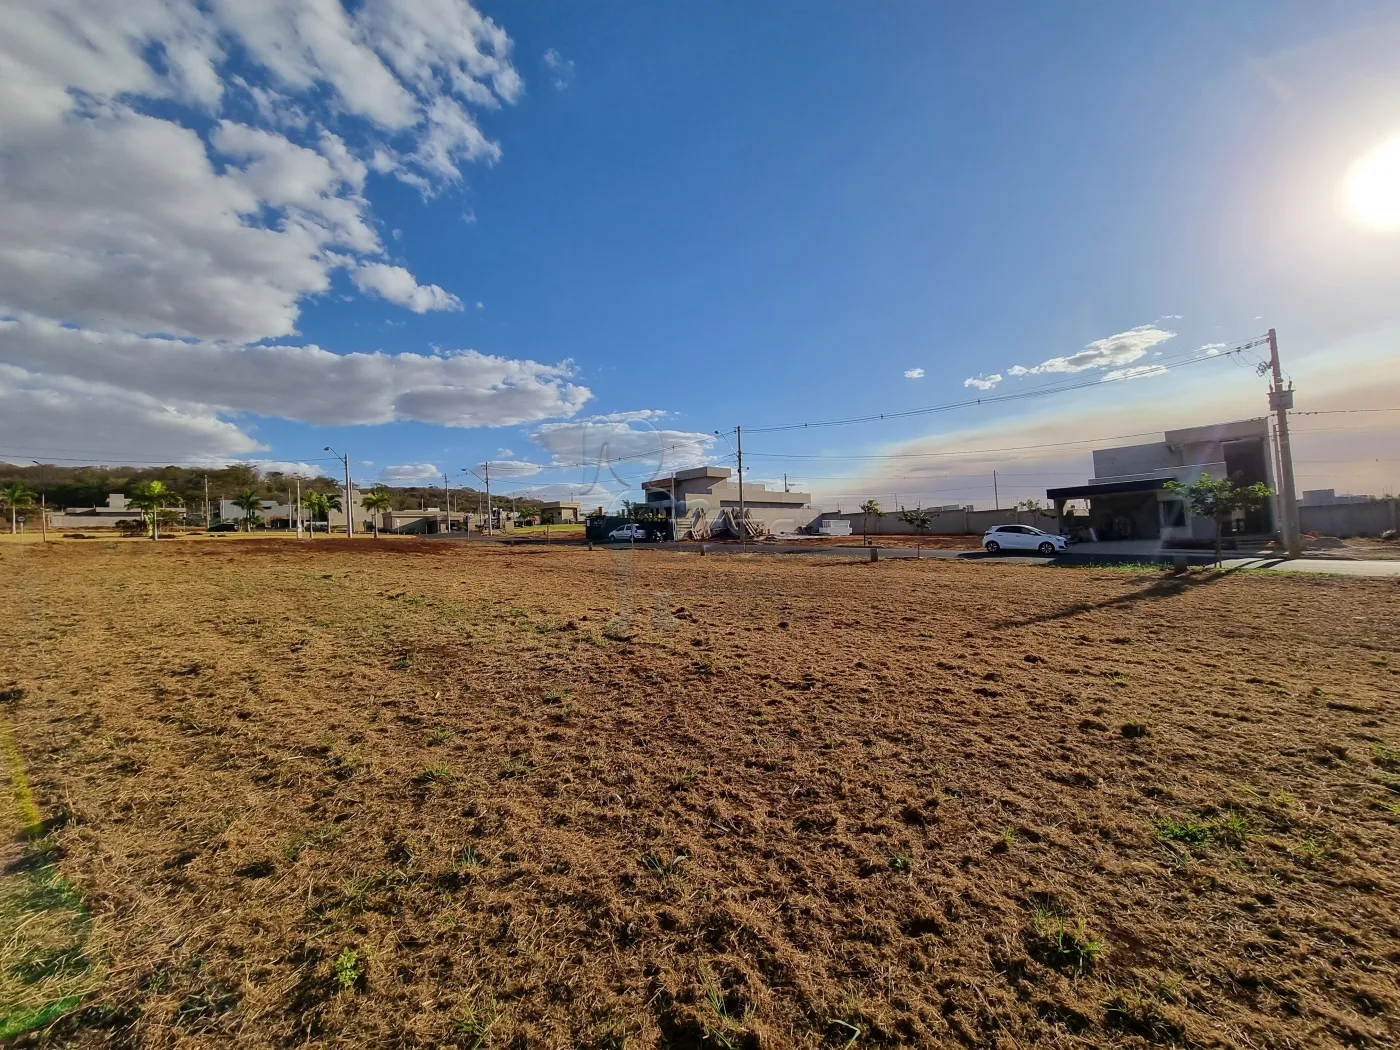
point(485, 479)
point(349, 516)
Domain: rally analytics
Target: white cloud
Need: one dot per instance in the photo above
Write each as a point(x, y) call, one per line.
point(514, 468)
point(118, 215)
point(1017, 370)
point(914, 373)
point(71, 419)
point(480, 305)
point(306, 383)
point(1121, 349)
point(1136, 372)
point(291, 467)
point(399, 286)
point(469, 217)
point(1212, 349)
point(982, 382)
point(627, 442)
point(561, 68)
point(411, 472)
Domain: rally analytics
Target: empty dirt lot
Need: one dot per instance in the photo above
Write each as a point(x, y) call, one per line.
point(349, 794)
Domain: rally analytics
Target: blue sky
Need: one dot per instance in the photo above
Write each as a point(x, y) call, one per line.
point(667, 220)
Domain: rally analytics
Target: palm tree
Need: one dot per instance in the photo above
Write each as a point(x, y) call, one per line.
point(16, 496)
point(377, 501)
point(150, 498)
point(319, 504)
point(316, 504)
point(247, 501)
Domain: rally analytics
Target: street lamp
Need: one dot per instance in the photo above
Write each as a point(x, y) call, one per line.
point(349, 516)
point(486, 480)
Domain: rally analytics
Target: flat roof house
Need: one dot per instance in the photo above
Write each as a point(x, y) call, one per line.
point(559, 512)
point(702, 492)
point(90, 517)
point(1127, 495)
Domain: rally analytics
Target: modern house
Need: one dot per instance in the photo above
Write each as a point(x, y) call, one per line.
point(283, 515)
point(1128, 498)
point(702, 493)
point(94, 517)
point(559, 512)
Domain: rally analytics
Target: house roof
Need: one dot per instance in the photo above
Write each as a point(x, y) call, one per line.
point(1111, 488)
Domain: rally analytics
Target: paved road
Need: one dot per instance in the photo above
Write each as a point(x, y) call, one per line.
point(1335, 566)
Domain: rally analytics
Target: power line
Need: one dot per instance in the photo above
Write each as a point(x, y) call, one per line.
point(1164, 365)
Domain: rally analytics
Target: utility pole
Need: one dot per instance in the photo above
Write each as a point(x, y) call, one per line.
point(298, 508)
point(996, 499)
point(206, 503)
point(785, 488)
point(485, 479)
point(349, 513)
point(743, 514)
point(43, 502)
point(1281, 400)
point(447, 490)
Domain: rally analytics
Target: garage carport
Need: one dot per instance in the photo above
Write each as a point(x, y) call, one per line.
point(1121, 510)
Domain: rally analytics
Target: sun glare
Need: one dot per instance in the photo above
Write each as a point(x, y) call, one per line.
point(1373, 187)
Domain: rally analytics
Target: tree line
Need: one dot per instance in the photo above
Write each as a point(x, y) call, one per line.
point(89, 486)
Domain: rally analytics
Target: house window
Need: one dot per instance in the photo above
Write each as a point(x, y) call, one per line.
point(1173, 514)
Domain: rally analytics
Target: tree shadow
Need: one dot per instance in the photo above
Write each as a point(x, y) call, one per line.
point(1171, 586)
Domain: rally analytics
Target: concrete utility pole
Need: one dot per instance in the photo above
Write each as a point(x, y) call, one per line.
point(447, 490)
point(349, 514)
point(206, 503)
point(485, 479)
point(298, 508)
point(43, 502)
point(1280, 401)
point(996, 498)
point(743, 516)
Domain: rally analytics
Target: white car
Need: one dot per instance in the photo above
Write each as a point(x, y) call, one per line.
point(624, 533)
point(1022, 538)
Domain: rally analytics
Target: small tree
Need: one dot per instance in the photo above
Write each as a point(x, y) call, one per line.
point(377, 501)
point(1218, 499)
point(247, 501)
point(869, 509)
point(1033, 506)
point(920, 519)
point(150, 498)
point(16, 496)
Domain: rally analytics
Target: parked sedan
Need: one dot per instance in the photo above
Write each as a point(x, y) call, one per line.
point(1022, 538)
point(624, 533)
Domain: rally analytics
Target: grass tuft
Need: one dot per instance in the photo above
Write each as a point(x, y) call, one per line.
point(50, 960)
point(1064, 942)
point(347, 971)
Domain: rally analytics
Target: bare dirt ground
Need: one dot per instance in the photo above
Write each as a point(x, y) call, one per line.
point(337, 794)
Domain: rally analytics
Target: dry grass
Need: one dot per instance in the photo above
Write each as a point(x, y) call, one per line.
point(443, 795)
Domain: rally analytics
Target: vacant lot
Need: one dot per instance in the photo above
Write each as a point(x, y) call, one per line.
point(339, 794)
